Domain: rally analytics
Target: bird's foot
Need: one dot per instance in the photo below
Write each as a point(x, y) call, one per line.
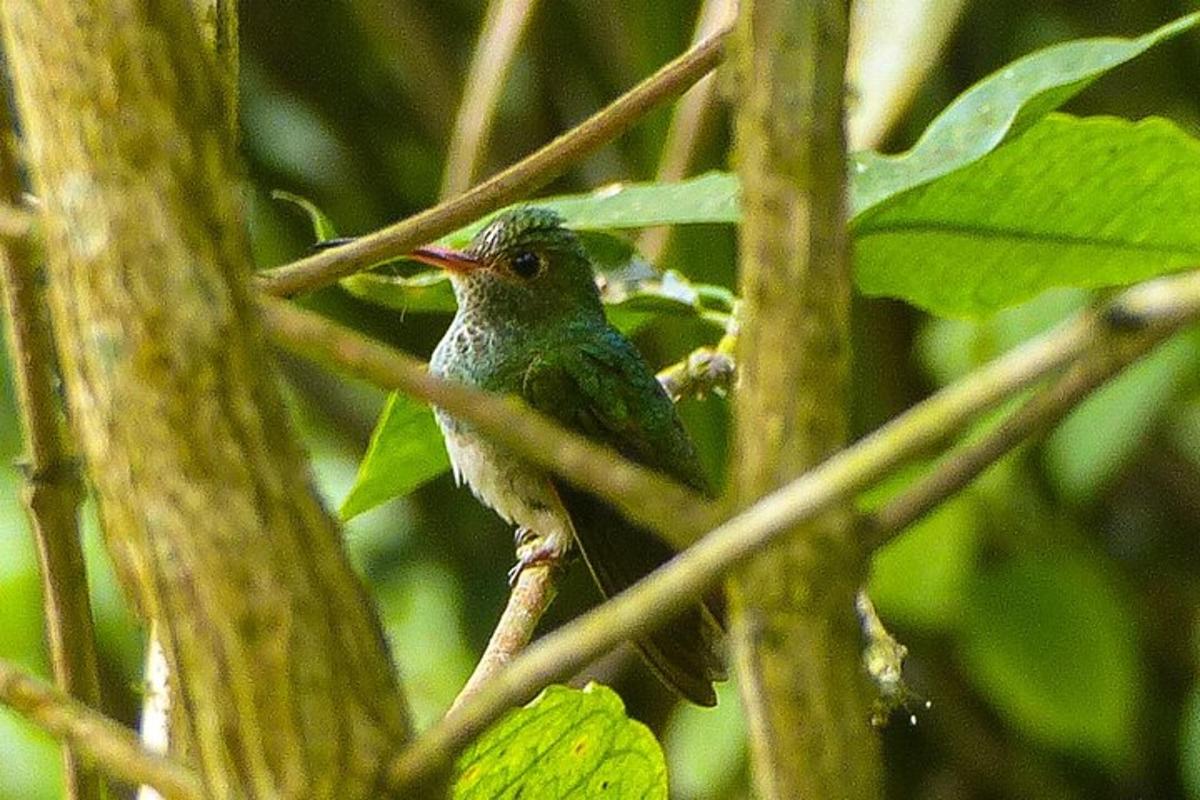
point(533, 549)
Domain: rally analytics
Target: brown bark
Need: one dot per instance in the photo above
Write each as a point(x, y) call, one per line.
point(794, 634)
point(209, 510)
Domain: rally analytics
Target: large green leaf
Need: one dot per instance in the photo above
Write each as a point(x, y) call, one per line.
point(566, 743)
point(1002, 105)
point(999, 107)
point(1088, 203)
point(406, 450)
point(708, 198)
point(1050, 641)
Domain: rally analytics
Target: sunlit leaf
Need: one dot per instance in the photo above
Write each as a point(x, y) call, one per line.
point(711, 198)
point(1000, 106)
point(566, 743)
point(1086, 203)
point(406, 450)
point(1051, 643)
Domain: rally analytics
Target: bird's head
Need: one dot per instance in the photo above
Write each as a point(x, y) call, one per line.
point(523, 263)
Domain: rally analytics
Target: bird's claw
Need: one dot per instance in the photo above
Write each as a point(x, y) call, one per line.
point(534, 550)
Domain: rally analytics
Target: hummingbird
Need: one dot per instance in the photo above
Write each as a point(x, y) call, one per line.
point(530, 323)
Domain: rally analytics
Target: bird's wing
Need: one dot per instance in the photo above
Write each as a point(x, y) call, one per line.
point(602, 388)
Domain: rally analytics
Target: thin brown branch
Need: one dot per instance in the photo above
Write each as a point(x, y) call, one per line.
point(114, 748)
point(696, 570)
point(53, 489)
point(514, 183)
point(503, 28)
point(642, 494)
point(530, 597)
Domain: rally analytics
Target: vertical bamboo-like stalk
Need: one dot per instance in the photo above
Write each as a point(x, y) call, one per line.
point(794, 634)
point(277, 657)
point(53, 489)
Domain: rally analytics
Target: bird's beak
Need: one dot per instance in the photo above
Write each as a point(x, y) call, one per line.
point(445, 258)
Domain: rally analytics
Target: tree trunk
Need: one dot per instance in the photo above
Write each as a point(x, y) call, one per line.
point(279, 663)
point(794, 634)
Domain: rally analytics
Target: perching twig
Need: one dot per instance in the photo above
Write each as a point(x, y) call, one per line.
point(514, 183)
point(671, 588)
point(504, 24)
point(114, 748)
point(531, 596)
point(53, 488)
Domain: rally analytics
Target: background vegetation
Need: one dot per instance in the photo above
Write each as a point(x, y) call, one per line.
point(1051, 611)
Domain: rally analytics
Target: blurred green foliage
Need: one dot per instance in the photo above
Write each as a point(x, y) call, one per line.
point(1052, 611)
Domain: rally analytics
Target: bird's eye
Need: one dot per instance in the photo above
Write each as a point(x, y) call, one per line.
point(526, 264)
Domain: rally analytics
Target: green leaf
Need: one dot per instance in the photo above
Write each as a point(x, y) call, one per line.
point(708, 198)
point(1000, 107)
point(406, 450)
point(323, 227)
point(1051, 643)
point(566, 743)
point(1088, 203)
point(427, 291)
point(1092, 445)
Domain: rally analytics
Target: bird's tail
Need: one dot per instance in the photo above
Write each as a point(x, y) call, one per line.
point(687, 651)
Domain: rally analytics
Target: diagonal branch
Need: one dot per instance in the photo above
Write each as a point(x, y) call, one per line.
point(515, 182)
point(1041, 411)
point(668, 590)
point(53, 488)
point(114, 748)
